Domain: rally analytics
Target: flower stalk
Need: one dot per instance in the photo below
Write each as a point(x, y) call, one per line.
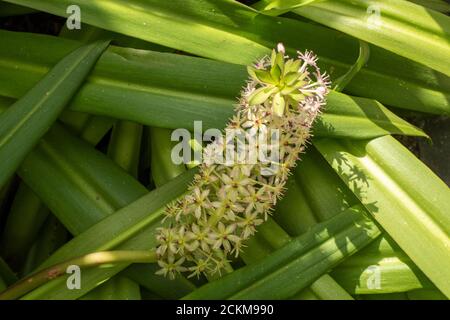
point(229, 198)
point(88, 261)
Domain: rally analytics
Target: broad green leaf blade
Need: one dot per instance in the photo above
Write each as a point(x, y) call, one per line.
point(405, 28)
point(270, 233)
point(5, 103)
point(277, 7)
point(2, 284)
point(164, 170)
point(125, 146)
point(162, 167)
point(118, 288)
point(403, 195)
point(344, 114)
point(8, 10)
point(328, 195)
point(294, 213)
point(131, 228)
point(90, 129)
point(229, 31)
point(305, 203)
point(394, 275)
point(52, 236)
point(25, 218)
point(25, 122)
point(27, 210)
point(426, 294)
point(271, 236)
point(326, 288)
point(96, 128)
point(84, 187)
point(203, 90)
point(192, 26)
point(382, 267)
point(124, 149)
point(144, 274)
point(438, 5)
point(297, 264)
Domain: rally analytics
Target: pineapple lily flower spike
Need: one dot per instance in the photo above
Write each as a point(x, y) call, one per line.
point(228, 200)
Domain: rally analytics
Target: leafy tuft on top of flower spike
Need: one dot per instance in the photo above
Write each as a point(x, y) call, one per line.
point(229, 199)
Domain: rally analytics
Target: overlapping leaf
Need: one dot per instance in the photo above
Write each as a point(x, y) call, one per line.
point(229, 31)
point(131, 228)
point(403, 195)
point(402, 27)
point(27, 120)
point(289, 269)
point(190, 89)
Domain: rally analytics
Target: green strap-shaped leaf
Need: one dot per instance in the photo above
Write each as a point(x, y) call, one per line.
point(360, 118)
point(285, 272)
point(131, 228)
point(118, 288)
point(229, 31)
point(2, 284)
point(405, 28)
point(271, 237)
point(8, 10)
point(278, 7)
point(52, 236)
point(27, 211)
point(403, 195)
point(145, 275)
point(438, 5)
point(190, 89)
point(376, 274)
point(124, 223)
point(162, 167)
point(124, 149)
point(382, 267)
point(24, 123)
point(84, 187)
point(306, 202)
point(125, 145)
point(25, 218)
